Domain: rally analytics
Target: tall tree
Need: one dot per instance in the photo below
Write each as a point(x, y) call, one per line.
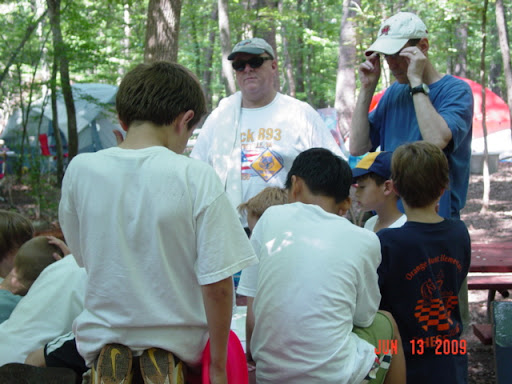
point(287, 62)
point(225, 44)
point(162, 30)
point(63, 63)
point(505, 51)
point(487, 183)
point(31, 27)
point(346, 79)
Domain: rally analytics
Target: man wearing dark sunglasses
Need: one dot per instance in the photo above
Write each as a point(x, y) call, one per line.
point(422, 104)
point(253, 136)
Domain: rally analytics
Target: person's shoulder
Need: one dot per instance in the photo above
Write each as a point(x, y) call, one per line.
point(449, 82)
point(297, 104)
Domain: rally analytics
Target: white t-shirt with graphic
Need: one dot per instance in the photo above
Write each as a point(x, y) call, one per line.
point(272, 136)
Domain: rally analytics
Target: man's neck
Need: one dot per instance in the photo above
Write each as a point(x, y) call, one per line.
point(258, 102)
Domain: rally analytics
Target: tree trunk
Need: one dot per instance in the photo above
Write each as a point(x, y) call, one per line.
point(267, 29)
point(55, 122)
point(299, 64)
point(62, 60)
point(346, 78)
point(225, 43)
point(461, 45)
point(162, 31)
point(505, 52)
point(487, 183)
point(208, 60)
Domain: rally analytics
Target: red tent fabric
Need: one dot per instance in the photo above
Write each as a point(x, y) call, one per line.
point(497, 113)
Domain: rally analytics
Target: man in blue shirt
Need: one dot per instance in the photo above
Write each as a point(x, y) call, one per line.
point(422, 104)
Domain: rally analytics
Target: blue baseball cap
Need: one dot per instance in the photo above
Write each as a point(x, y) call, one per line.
point(374, 162)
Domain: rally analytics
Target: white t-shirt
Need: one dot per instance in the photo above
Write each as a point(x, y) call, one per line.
point(150, 227)
point(47, 311)
point(270, 139)
point(370, 223)
point(317, 278)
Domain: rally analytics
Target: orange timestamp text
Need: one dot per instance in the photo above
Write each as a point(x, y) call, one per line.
point(441, 346)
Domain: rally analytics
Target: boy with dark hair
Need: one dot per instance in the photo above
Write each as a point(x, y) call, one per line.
point(15, 230)
point(424, 264)
point(317, 279)
point(374, 191)
point(157, 236)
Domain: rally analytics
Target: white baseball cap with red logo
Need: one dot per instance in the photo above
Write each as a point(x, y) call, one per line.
point(396, 31)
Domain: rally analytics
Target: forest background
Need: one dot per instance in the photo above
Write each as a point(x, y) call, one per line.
point(50, 44)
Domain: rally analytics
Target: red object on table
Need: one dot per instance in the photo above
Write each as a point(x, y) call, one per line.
point(494, 257)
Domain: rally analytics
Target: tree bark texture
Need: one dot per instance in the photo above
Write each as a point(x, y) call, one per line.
point(162, 30)
point(62, 60)
point(346, 78)
point(487, 181)
point(225, 43)
point(505, 52)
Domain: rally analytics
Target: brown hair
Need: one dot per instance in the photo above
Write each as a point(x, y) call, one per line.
point(378, 179)
point(32, 257)
point(158, 92)
point(258, 204)
point(420, 173)
point(15, 230)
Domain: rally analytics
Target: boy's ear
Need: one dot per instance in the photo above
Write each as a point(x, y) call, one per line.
point(388, 187)
point(183, 120)
point(123, 125)
point(296, 189)
point(424, 45)
point(344, 206)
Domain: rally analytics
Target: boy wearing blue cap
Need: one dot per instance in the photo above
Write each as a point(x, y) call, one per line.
point(374, 191)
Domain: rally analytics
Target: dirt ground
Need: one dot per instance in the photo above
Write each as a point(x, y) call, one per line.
point(493, 225)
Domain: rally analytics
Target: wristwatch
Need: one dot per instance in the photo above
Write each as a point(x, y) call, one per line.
point(422, 88)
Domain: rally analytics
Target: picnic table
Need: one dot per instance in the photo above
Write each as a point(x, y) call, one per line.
point(493, 263)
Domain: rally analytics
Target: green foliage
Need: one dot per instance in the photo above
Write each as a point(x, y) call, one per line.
point(103, 43)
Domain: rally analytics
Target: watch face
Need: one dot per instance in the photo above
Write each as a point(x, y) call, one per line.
point(426, 89)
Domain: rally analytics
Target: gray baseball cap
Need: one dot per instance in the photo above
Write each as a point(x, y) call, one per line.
point(255, 46)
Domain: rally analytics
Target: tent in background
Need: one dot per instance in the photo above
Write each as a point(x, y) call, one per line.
point(95, 115)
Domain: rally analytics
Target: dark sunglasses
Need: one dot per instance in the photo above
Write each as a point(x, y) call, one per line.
point(254, 62)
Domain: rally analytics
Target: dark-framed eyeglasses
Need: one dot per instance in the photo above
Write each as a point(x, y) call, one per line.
point(254, 62)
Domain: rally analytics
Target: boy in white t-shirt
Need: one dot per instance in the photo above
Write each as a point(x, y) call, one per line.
point(157, 236)
point(374, 191)
point(316, 286)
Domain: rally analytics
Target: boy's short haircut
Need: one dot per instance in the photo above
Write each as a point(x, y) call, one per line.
point(323, 172)
point(268, 197)
point(34, 256)
point(158, 92)
point(375, 165)
point(420, 173)
point(379, 180)
point(15, 230)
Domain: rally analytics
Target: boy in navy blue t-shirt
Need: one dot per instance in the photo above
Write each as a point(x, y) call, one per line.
point(423, 266)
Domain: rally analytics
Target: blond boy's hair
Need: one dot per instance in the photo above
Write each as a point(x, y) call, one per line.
point(34, 256)
point(268, 197)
